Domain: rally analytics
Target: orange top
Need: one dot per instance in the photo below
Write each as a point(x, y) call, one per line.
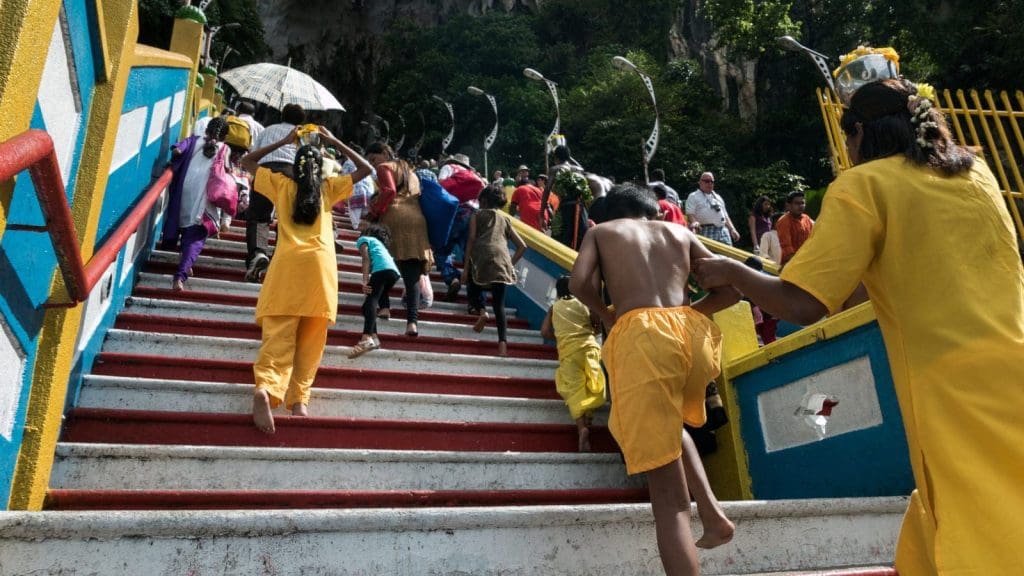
point(793, 232)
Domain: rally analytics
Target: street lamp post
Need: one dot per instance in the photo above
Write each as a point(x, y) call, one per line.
point(489, 141)
point(211, 32)
point(553, 88)
point(451, 114)
point(820, 60)
point(651, 145)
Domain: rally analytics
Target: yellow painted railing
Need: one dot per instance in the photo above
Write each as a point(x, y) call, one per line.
point(988, 120)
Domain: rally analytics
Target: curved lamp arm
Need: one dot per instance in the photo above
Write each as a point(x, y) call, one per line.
point(651, 145)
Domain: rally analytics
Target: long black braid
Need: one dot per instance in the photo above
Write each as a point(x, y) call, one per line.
point(216, 131)
point(307, 177)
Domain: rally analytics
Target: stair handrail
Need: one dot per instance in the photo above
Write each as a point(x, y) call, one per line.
point(33, 150)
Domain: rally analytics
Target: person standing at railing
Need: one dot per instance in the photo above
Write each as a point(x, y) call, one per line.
point(920, 221)
point(707, 213)
point(189, 214)
point(299, 297)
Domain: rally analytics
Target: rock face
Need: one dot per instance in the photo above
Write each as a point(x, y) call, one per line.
point(735, 79)
point(339, 42)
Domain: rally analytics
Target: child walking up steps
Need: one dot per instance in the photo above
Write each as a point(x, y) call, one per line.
point(379, 274)
point(488, 263)
point(299, 297)
point(579, 378)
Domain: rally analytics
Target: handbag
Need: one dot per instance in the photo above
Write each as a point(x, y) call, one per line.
point(221, 188)
point(439, 208)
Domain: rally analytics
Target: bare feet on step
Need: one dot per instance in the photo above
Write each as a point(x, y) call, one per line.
point(718, 530)
point(261, 414)
point(299, 409)
point(481, 322)
point(584, 436)
point(502, 349)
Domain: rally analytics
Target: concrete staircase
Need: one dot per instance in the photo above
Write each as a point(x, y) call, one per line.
point(430, 456)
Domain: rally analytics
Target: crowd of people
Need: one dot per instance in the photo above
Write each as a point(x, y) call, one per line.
point(638, 245)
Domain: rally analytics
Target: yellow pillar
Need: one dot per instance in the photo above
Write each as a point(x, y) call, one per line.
point(187, 39)
point(728, 471)
point(209, 83)
point(60, 325)
point(25, 26)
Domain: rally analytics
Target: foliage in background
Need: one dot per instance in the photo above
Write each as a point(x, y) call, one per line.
point(606, 113)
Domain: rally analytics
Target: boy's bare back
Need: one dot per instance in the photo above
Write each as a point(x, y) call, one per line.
point(644, 263)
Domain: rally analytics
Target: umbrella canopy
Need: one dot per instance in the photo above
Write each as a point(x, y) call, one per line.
point(277, 85)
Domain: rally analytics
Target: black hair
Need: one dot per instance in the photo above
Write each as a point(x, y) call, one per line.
point(660, 191)
point(492, 197)
point(308, 201)
point(543, 177)
point(755, 263)
point(562, 287)
point(216, 131)
point(380, 232)
point(293, 114)
point(627, 200)
point(888, 127)
point(658, 174)
point(562, 153)
point(246, 108)
point(794, 195)
point(757, 210)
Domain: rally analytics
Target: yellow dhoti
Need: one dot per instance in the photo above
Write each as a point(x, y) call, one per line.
point(580, 381)
point(659, 362)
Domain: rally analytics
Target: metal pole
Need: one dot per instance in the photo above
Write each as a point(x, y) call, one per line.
point(451, 114)
point(651, 146)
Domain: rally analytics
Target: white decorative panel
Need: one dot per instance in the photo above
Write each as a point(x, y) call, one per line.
point(158, 121)
point(128, 262)
point(829, 403)
point(96, 308)
point(12, 372)
point(178, 109)
point(537, 284)
point(129, 137)
point(58, 101)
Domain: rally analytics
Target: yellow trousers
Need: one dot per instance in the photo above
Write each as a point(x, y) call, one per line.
point(289, 357)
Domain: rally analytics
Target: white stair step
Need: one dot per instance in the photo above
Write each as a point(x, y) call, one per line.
point(239, 249)
point(228, 313)
point(605, 540)
point(145, 467)
point(239, 267)
point(213, 348)
point(119, 392)
point(239, 288)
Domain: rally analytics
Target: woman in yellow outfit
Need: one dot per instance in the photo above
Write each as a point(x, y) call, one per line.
point(299, 297)
point(579, 378)
point(920, 221)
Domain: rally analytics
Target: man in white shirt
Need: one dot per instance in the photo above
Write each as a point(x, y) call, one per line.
point(706, 212)
point(261, 210)
point(245, 112)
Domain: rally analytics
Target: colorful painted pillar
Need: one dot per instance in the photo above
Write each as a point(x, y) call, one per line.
point(187, 40)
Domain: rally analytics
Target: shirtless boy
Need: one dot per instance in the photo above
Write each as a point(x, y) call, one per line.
point(661, 353)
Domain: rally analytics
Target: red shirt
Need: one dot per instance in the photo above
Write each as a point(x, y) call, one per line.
point(527, 200)
point(793, 232)
point(672, 212)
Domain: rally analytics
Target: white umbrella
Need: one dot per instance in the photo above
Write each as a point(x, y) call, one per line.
point(277, 85)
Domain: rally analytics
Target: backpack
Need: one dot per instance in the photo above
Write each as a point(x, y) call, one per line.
point(463, 184)
point(239, 135)
point(439, 208)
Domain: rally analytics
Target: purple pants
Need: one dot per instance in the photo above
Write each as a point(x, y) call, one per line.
point(193, 238)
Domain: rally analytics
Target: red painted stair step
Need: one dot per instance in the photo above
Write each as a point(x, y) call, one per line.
point(397, 311)
point(214, 429)
point(332, 377)
point(335, 337)
point(283, 499)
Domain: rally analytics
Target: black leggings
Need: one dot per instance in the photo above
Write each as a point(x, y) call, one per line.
point(476, 300)
point(411, 271)
point(380, 282)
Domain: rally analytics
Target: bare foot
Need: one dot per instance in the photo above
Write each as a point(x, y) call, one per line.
point(584, 439)
point(503, 349)
point(717, 531)
point(299, 409)
point(481, 322)
point(177, 285)
point(261, 415)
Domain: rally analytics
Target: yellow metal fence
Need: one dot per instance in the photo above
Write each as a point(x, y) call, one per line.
point(991, 121)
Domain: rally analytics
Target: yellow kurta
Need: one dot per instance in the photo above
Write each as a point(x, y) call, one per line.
point(303, 276)
point(579, 378)
point(938, 256)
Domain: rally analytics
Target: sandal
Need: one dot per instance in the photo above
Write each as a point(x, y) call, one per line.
point(362, 348)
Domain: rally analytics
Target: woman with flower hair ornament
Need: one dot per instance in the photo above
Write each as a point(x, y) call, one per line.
point(299, 297)
point(953, 326)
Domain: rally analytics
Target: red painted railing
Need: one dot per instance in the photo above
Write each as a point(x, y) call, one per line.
point(33, 150)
